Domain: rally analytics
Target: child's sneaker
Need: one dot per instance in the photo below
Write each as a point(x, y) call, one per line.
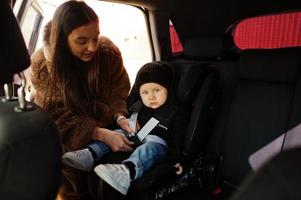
point(116, 175)
point(80, 159)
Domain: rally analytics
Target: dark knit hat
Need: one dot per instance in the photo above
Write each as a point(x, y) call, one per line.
point(156, 73)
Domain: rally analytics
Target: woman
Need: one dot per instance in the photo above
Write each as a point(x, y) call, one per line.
point(80, 80)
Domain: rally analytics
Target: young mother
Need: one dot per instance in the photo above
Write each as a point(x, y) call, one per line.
point(80, 80)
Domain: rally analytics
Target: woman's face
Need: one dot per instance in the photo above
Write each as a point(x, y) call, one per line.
point(83, 41)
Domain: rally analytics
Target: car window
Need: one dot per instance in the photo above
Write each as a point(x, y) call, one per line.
point(126, 27)
point(30, 19)
point(116, 23)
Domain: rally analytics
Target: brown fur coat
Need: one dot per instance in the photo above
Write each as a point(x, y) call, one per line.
point(76, 131)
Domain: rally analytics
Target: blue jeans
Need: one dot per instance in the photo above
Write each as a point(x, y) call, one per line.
point(99, 148)
point(153, 150)
point(145, 156)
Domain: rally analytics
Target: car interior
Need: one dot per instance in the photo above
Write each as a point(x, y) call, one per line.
point(239, 77)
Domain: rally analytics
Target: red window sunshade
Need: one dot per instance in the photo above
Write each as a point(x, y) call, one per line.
point(176, 45)
point(268, 32)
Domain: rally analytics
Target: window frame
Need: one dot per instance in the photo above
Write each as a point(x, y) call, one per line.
point(21, 14)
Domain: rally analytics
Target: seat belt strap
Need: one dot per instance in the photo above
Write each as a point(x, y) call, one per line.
point(133, 121)
point(292, 138)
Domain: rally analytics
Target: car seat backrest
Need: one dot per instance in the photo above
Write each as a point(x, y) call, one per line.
point(203, 113)
point(280, 65)
point(198, 89)
point(206, 51)
point(260, 105)
point(276, 65)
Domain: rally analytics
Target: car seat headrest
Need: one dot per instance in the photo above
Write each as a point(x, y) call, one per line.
point(273, 65)
point(205, 47)
point(13, 52)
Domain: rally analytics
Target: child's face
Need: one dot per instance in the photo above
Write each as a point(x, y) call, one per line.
point(153, 95)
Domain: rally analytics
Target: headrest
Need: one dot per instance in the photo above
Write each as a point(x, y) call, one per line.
point(208, 47)
point(13, 52)
point(275, 65)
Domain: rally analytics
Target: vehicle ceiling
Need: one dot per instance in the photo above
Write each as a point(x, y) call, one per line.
point(212, 17)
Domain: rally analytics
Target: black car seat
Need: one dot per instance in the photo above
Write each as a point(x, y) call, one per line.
point(197, 83)
point(29, 144)
point(260, 101)
point(205, 51)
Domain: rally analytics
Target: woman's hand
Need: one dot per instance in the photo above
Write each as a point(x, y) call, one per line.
point(116, 141)
point(124, 124)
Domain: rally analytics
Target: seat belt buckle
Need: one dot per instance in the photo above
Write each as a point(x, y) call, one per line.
point(134, 138)
point(144, 131)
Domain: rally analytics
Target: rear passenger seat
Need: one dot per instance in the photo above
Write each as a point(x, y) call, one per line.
point(260, 101)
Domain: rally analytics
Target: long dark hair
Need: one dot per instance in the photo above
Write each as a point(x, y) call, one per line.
point(78, 81)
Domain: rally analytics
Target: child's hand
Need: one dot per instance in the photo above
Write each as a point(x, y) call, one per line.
point(179, 168)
